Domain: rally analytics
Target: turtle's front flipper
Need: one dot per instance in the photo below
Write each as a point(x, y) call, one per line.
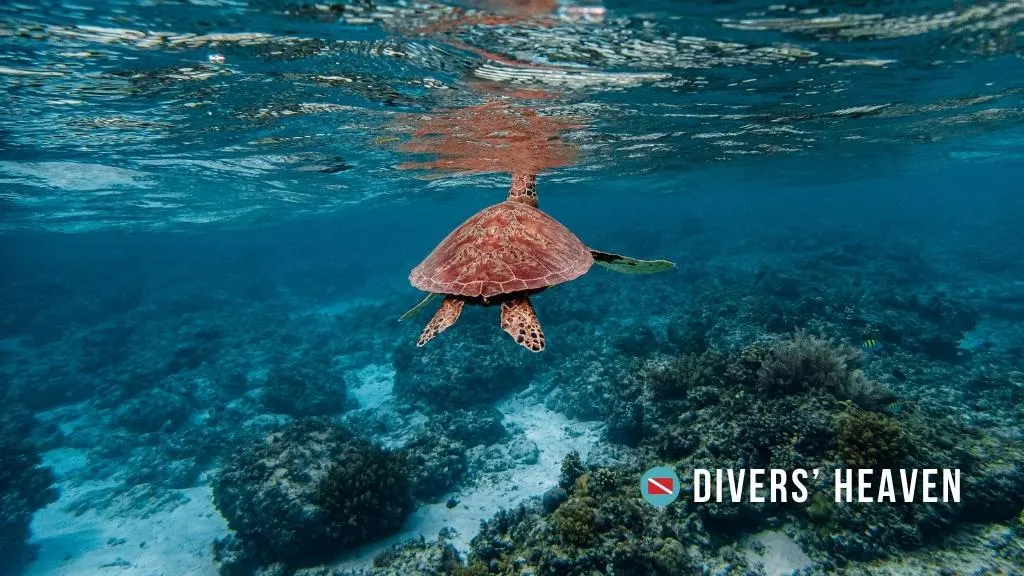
point(446, 315)
point(627, 265)
point(520, 321)
point(416, 309)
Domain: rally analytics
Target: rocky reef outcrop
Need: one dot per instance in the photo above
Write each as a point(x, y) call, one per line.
point(25, 486)
point(305, 493)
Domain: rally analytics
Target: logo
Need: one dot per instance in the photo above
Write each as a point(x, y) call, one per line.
point(660, 486)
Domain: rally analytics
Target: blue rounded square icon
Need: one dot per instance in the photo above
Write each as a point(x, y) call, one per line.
point(660, 486)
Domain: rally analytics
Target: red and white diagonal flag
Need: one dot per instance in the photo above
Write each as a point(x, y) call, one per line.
point(660, 486)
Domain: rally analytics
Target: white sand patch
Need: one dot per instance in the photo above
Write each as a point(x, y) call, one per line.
point(64, 460)
point(554, 435)
point(176, 542)
point(371, 386)
point(68, 418)
point(781, 556)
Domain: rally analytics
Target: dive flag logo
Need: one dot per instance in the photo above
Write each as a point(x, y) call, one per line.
point(660, 486)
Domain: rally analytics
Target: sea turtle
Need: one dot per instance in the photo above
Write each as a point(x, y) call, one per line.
point(503, 254)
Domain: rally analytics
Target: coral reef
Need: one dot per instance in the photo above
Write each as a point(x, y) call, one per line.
point(736, 410)
point(601, 528)
point(869, 440)
point(805, 362)
point(306, 492)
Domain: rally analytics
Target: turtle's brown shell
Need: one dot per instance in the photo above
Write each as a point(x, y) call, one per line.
point(508, 247)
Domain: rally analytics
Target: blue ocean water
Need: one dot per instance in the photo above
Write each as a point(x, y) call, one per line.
point(209, 211)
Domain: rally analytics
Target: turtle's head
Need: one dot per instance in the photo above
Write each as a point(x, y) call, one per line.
point(523, 188)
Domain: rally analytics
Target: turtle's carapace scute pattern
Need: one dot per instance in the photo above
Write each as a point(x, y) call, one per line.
point(520, 321)
point(445, 316)
point(505, 248)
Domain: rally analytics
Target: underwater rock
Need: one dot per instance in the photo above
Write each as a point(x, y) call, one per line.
point(585, 385)
point(437, 462)
point(200, 344)
point(104, 347)
point(51, 387)
point(940, 347)
point(307, 492)
point(673, 378)
point(470, 364)
point(419, 557)
point(637, 339)
point(991, 468)
point(687, 334)
point(601, 528)
point(304, 388)
point(784, 287)
point(155, 410)
point(553, 498)
point(25, 486)
point(19, 422)
point(625, 424)
point(475, 426)
point(523, 451)
point(725, 419)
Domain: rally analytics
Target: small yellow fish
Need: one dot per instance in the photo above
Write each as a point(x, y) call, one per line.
point(385, 139)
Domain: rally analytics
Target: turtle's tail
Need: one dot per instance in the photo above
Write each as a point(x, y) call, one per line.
point(523, 188)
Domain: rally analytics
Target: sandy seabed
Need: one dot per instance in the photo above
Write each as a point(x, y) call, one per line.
point(179, 541)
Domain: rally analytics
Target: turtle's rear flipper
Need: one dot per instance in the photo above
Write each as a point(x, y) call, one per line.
point(627, 265)
point(520, 321)
point(445, 316)
point(416, 309)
